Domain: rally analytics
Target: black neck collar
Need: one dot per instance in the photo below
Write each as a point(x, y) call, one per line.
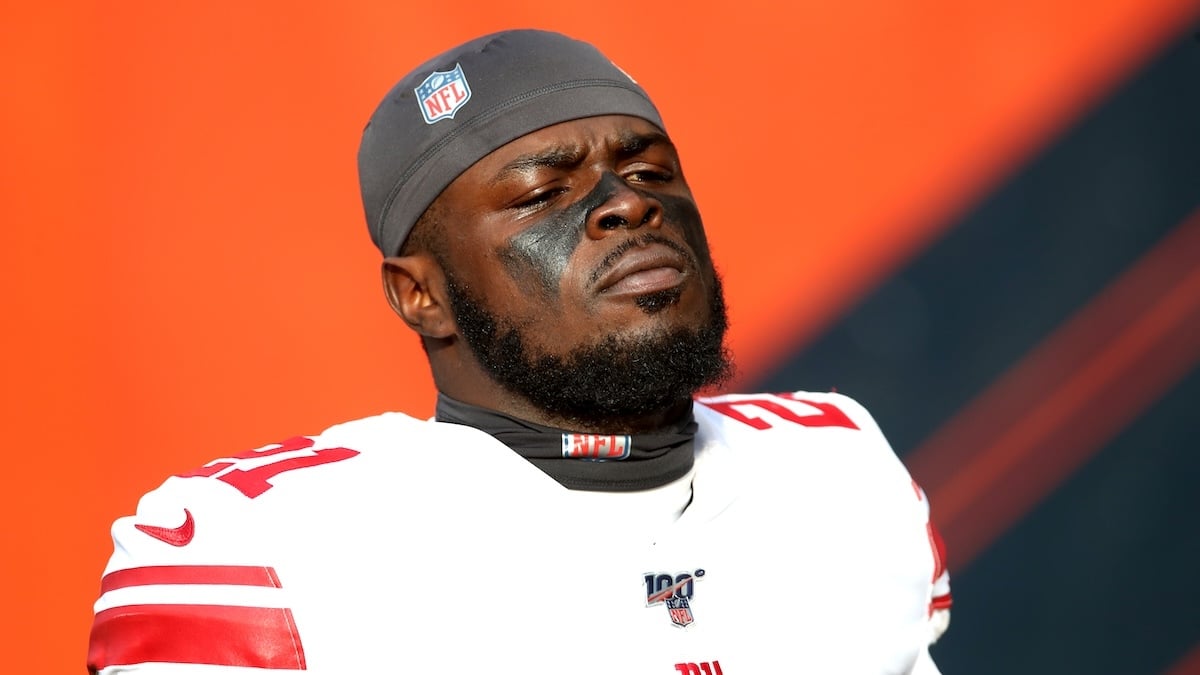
point(586, 461)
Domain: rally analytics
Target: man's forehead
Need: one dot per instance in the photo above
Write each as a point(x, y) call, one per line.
point(601, 127)
point(569, 141)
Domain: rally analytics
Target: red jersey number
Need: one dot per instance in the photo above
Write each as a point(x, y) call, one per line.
point(246, 473)
point(783, 406)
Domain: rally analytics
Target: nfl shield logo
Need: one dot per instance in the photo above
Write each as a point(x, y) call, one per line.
point(680, 611)
point(595, 446)
point(442, 94)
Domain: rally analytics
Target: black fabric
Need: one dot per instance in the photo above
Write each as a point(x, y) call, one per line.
point(654, 460)
point(519, 81)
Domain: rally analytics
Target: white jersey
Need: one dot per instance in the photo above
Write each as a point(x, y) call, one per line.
point(797, 544)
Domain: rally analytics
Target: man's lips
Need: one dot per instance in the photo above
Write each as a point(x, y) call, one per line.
point(644, 270)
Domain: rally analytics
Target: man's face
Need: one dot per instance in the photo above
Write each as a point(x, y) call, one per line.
point(579, 273)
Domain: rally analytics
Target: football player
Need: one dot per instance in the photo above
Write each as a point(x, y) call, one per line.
point(575, 505)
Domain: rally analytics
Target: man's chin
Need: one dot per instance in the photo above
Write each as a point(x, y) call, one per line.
point(637, 366)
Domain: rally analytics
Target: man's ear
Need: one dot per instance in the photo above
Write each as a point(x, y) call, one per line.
point(414, 285)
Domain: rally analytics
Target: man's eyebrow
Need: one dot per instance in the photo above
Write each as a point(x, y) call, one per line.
point(559, 157)
point(630, 143)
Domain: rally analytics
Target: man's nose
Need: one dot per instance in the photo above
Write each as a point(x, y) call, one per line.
point(625, 208)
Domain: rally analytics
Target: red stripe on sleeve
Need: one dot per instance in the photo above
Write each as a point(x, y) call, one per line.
point(939, 550)
point(220, 635)
point(233, 575)
point(941, 602)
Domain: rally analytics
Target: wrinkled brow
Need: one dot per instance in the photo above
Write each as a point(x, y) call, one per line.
point(630, 143)
point(558, 157)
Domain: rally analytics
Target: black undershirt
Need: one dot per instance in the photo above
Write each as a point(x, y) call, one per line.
point(654, 459)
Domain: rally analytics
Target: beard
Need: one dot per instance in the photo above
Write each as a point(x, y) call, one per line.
point(613, 380)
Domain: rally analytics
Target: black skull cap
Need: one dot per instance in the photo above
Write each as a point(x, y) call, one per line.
point(456, 108)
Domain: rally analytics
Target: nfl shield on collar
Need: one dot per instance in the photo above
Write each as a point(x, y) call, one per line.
point(456, 108)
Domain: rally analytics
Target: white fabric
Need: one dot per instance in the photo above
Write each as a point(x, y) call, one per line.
point(435, 549)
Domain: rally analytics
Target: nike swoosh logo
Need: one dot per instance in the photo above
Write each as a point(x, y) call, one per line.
point(175, 536)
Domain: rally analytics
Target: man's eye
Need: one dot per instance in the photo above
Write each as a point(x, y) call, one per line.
point(538, 198)
point(650, 176)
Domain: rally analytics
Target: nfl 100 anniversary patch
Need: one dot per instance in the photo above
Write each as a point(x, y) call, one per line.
point(675, 591)
point(442, 94)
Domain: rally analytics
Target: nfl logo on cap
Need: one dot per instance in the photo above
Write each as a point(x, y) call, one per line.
point(442, 94)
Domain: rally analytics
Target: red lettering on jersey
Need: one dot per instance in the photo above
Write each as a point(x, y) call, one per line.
point(252, 482)
point(206, 470)
point(705, 667)
point(829, 415)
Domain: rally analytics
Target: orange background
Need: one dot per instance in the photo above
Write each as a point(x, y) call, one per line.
point(186, 269)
